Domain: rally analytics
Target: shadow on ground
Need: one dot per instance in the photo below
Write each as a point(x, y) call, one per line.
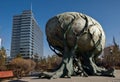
point(17, 81)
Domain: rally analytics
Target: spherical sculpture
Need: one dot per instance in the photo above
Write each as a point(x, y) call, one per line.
point(76, 28)
point(79, 39)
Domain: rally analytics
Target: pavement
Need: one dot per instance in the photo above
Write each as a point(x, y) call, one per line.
point(72, 79)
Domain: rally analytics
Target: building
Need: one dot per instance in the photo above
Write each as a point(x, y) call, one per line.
point(0, 42)
point(27, 38)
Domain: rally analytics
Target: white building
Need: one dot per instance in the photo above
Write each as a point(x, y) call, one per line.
point(27, 38)
point(0, 42)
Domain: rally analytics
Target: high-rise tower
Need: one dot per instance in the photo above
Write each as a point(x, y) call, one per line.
point(27, 38)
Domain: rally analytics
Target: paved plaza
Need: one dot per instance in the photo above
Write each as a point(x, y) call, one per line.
point(73, 79)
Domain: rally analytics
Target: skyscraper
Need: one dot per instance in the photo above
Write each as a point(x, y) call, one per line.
point(27, 38)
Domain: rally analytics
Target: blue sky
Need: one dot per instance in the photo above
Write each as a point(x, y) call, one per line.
point(106, 12)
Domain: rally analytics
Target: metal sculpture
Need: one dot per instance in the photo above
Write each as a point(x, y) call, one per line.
point(79, 39)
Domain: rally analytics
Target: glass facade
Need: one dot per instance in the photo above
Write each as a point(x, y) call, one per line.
point(27, 38)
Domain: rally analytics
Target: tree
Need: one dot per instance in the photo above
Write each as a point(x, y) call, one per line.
point(49, 63)
point(112, 57)
point(2, 56)
point(18, 56)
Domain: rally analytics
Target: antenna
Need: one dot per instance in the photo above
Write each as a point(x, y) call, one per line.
point(31, 6)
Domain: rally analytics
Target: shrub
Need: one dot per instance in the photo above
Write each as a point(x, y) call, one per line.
point(49, 63)
point(21, 67)
point(3, 68)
